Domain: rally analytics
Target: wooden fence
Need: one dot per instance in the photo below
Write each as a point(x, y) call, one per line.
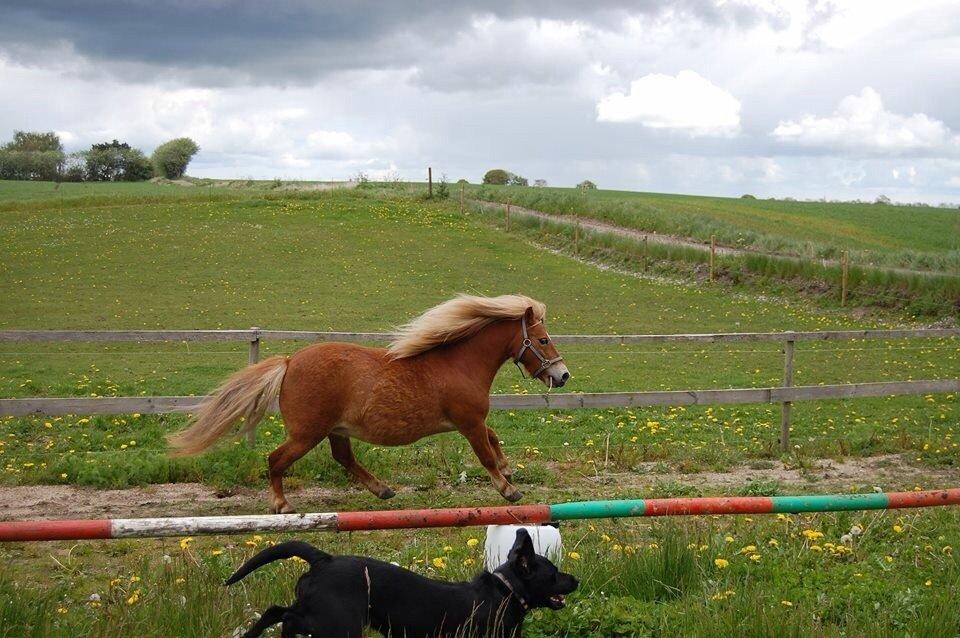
point(785, 395)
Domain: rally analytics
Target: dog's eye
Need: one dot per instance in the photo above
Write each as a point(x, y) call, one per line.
point(544, 341)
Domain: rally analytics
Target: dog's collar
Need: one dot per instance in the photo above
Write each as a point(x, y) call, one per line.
point(511, 591)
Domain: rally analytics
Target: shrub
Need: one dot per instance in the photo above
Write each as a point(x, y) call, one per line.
point(496, 176)
point(442, 191)
point(32, 156)
point(517, 180)
point(170, 159)
point(116, 162)
point(539, 183)
point(587, 185)
point(747, 196)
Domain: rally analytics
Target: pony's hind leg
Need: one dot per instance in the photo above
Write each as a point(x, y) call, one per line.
point(279, 461)
point(343, 454)
point(502, 463)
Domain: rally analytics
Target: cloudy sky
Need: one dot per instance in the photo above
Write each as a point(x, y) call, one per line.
point(804, 98)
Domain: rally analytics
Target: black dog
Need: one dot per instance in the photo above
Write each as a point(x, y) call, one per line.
point(341, 595)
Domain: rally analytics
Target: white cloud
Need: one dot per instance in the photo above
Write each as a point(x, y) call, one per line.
point(687, 102)
point(861, 123)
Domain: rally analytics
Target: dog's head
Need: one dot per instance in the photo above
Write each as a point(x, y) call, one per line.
point(537, 579)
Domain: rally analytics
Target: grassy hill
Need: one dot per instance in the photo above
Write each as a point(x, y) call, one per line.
point(159, 256)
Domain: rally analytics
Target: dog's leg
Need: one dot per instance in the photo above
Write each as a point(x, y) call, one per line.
point(502, 463)
point(480, 442)
point(278, 462)
point(270, 617)
point(343, 454)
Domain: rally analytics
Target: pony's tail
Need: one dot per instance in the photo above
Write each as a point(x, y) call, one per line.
point(289, 549)
point(246, 395)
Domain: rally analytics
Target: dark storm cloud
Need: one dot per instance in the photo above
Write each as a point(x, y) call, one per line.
point(293, 42)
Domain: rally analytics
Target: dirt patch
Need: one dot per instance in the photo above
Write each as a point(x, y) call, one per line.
point(889, 473)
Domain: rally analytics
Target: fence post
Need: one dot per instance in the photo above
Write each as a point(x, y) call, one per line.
point(713, 252)
point(844, 274)
point(785, 407)
point(576, 237)
point(430, 182)
point(461, 199)
point(253, 355)
point(646, 256)
point(506, 213)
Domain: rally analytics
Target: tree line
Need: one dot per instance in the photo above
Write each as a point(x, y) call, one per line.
point(34, 155)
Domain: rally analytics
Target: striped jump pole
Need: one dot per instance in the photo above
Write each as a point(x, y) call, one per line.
point(466, 516)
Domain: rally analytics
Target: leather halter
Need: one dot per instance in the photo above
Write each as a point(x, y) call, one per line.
point(511, 591)
point(527, 344)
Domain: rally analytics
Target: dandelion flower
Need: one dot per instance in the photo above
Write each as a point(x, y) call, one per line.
point(721, 563)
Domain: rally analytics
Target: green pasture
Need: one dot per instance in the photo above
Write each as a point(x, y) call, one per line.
point(368, 259)
point(921, 237)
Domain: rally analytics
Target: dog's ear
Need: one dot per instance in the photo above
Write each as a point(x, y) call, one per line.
point(521, 555)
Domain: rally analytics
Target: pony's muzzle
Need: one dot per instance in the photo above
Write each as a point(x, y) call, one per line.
point(556, 375)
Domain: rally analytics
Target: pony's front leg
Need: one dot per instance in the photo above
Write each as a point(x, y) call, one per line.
point(477, 435)
point(502, 463)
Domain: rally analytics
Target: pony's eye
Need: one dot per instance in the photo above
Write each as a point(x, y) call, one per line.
point(544, 341)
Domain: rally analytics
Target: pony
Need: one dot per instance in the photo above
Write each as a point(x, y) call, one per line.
point(434, 377)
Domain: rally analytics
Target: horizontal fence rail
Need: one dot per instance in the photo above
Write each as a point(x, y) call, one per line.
point(49, 530)
point(161, 405)
point(784, 395)
point(255, 334)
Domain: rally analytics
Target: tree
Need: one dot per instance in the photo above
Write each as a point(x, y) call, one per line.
point(516, 180)
point(882, 199)
point(496, 176)
point(587, 185)
point(539, 183)
point(32, 156)
point(116, 162)
point(170, 159)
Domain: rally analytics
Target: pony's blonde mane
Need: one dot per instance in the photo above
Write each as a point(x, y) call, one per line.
point(457, 319)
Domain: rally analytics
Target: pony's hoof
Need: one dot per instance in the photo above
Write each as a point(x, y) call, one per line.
point(282, 509)
point(513, 496)
point(386, 493)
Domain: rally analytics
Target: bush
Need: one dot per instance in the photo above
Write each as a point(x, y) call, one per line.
point(170, 159)
point(32, 156)
point(539, 183)
point(516, 180)
point(747, 196)
point(116, 162)
point(587, 185)
point(496, 176)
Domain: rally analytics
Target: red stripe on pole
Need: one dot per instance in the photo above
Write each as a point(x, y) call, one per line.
point(453, 517)
point(924, 499)
point(55, 530)
point(707, 505)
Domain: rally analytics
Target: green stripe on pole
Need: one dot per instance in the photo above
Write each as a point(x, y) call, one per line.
point(596, 509)
point(830, 502)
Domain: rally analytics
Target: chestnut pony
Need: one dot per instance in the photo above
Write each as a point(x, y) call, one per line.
point(435, 377)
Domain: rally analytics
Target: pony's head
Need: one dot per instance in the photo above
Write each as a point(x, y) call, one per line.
point(536, 351)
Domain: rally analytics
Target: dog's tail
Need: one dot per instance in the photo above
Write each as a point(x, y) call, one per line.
point(246, 395)
point(280, 551)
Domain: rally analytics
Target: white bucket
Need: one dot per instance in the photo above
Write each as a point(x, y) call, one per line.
point(500, 539)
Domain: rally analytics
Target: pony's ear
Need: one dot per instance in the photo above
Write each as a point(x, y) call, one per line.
point(522, 554)
point(528, 314)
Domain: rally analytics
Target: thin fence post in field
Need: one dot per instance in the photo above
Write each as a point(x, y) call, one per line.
point(844, 275)
point(430, 182)
point(253, 355)
point(713, 253)
point(576, 237)
point(786, 405)
point(645, 252)
point(506, 215)
point(461, 199)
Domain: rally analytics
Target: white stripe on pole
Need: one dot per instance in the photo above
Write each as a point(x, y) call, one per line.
point(190, 525)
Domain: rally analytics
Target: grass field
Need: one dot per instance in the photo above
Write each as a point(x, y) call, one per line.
point(916, 283)
point(157, 256)
point(907, 236)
